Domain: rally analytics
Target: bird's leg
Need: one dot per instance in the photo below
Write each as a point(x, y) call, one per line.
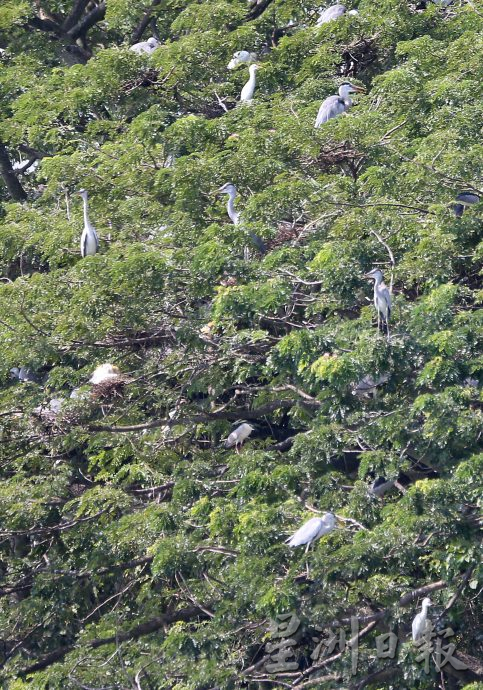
point(378, 320)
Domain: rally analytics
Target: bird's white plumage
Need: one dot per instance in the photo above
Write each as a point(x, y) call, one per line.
point(241, 57)
point(382, 297)
point(248, 90)
point(336, 105)
point(89, 241)
point(147, 47)
point(419, 622)
point(313, 529)
point(105, 372)
point(239, 435)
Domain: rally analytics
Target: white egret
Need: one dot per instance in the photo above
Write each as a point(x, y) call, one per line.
point(380, 486)
point(105, 372)
point(419, 622)
point(230, 189)
point(241, 57)
point(334, 12)
point(89, 239)
point(249, 89)
point(238, 436)
point(382, 299)
point(336, 105)
point(147, 47)
point(464, 199)
point(312, 530)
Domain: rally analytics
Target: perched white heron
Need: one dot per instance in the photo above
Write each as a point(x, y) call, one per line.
point(230, 189)
point(312, 530)
point(382, 299)
point(148, 46)
point(336, 105)
point(464, 199)
point(105, 372)
point(380, 486)
point(333, 12)
point(419, 622)
point(23, 374)
point(249, 89)
point(89, 239)
point(241, 57)
point(239, 436)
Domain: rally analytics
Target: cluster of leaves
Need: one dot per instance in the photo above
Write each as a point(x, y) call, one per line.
point(133, 543)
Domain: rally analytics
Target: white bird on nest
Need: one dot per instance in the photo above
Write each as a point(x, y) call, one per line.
point(147, 47)
point(239, 436)
point(105, 372)
point(419, 622)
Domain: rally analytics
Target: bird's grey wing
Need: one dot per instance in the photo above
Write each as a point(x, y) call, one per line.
point(258, 242)
point(306, 533)
point(331, 107)
point(230, 441)
point(84, 244)
point(458, 209)
point(387, 297)
point(96, 239)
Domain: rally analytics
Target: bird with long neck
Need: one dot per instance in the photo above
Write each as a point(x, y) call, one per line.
point(89, 239)
point(382, 299)
point(249, 88)
point(230, 189)
point(337, 105)
point(419, 622)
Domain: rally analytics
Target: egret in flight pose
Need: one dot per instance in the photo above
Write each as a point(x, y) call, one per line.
point(230, 189)
point(312, 530)
point(249, 89)
point(241, 57)
point(336, 105)
point(419, 622)
point(333, 12)
point(89, 239)
point(237, 437)
point(148, 46)
point(382, 299)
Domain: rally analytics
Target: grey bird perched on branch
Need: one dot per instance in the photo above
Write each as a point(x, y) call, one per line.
point(230, 189)
point(312, 530)
point(89, 240)
point(464, 199)
point(336, 105)
point(333, 12)
point(382, 299)
point(23, 374)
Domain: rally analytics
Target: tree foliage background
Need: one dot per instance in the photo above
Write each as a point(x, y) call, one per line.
point(136, 551)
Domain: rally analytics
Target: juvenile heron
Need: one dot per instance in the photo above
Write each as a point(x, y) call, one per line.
point(89, 240)
point(333, 12)
point(105, 372)
point(336, 105)
point(464, 199)
point(230, 189)
point(147, 47)
point(239, 436)
point(248, 90)
point(241, 57)
point(419, 622)
point(312, 530)
point(382, 299)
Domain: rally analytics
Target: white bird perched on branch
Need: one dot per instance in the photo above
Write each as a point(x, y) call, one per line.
point(312, 530)
point(239, 436)
point(89, 240)
point(333, 12)
point(419, 622)
point(382, 299)
point(248, 90)
point(336, 105)
point(241, 57)
point(148, 46)
point(105, 372)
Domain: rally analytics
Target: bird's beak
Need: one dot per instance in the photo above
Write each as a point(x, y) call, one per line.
point(359, 89)
point(339, 522)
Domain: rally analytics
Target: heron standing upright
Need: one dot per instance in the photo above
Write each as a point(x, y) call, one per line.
point(382, 299)
point(89, 239)
point(336, 105)
point(419, 622)
point(230, 189)
point(249, 89)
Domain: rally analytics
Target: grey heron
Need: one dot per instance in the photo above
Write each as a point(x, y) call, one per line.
point(230, 189)
point(241, 57)
point(248, 90)
point(147, 47)
point(336, 105)
point(367, 386)
point(239, 436)
point(382, 299)
point(333, 12)
point(23, 374)
point(312, 530)
point(419, 622)
point(380, 486)
point(464, 199)
point(89, 240)
point(105, 372)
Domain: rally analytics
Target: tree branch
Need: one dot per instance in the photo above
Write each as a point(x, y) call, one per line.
point(12, 184)
point(82, 27)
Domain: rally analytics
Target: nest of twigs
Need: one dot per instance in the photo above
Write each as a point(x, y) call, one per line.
point(286, 232)
point(109, 389)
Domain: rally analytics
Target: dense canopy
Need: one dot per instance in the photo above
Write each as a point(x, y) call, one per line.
point(137, 550)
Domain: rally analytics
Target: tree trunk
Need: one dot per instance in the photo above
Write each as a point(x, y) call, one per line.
point(12, 184)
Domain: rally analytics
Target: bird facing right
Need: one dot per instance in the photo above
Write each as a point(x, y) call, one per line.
point(336, 105)
point(419, 622)
point(312, 530)
point(382, 299)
